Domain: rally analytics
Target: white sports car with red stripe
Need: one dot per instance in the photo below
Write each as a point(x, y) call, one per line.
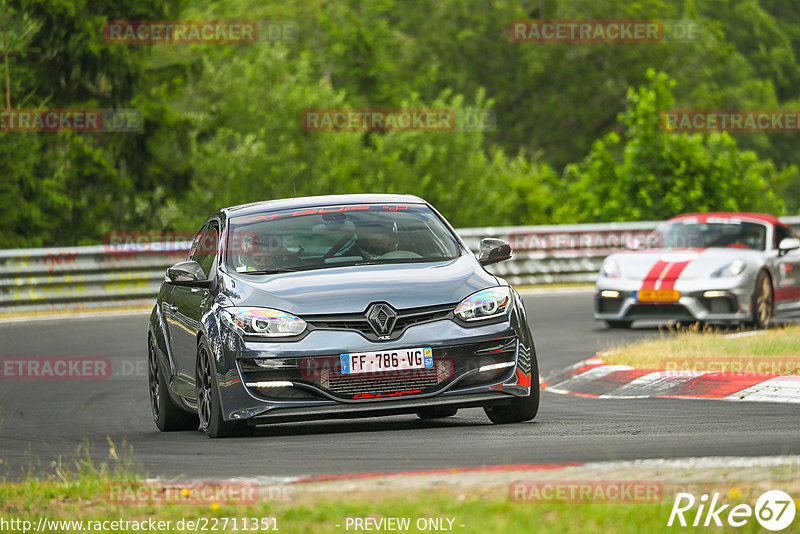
point(724, 268)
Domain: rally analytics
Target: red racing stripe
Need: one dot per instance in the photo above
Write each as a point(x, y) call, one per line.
point(674, 271)
point(653, 275)
point(787, 293)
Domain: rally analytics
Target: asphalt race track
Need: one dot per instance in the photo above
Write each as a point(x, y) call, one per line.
point(47, 419)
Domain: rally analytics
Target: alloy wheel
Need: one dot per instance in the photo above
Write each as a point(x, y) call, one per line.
point(153, 378)
point(764, 301)
point(203, 388)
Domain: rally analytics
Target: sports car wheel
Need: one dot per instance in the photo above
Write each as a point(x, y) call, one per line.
point(619, 324)
point(763, 299)
point(521, 408)
point(167, 415)
point(208, 406)
point(437, 412)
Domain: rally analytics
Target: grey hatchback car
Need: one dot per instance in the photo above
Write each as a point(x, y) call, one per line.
point(336, 307)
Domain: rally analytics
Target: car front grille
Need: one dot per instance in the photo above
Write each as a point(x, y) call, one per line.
point(415, 379)
point(358, 321)
point(659, 311)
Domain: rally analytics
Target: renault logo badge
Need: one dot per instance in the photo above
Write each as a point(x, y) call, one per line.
point(381, 318)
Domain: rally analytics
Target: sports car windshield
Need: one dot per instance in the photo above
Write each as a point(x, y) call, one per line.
point(336, 236)
point(723, 233)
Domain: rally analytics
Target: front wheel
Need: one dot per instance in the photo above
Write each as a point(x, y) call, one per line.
point(521, 408)
point(763, 299)
point(208, 405)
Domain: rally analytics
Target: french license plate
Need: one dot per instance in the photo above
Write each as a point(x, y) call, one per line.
point(388, 360)
point(658, 295)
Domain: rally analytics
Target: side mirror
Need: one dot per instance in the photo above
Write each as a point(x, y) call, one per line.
point(187, 273)
point(787, 244)
point(493, 250)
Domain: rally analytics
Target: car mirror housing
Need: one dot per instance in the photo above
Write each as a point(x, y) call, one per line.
point(187, 273)
point(788, 243)
point(493, 251)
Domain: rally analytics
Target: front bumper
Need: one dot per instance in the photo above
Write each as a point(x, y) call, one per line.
point(724, 301)
point(301, 380)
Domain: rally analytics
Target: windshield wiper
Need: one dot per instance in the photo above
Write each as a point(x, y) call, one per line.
point(391, 261)
point(271, 271)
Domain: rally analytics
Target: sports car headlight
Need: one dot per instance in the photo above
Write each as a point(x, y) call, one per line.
point(485, 304)
point(610, 268)
point(264, 322)
point(734, 268)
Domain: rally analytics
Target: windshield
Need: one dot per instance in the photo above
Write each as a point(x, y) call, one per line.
point(725, 233)
point(335, 236)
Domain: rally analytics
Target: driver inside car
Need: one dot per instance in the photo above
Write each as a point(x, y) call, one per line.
point(269, 254)
point(376, 240)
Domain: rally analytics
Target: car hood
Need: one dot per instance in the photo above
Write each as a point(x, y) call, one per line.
point(352, 289)
point(689, 263)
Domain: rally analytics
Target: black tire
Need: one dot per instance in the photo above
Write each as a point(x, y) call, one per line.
point(763, 301)
point(619, 324)
point(437, 412)
point(209, 409)
point(521, 408)
point(167, 415)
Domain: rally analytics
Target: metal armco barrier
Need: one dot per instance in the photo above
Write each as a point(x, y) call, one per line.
point(82, 277)
point(112, 276)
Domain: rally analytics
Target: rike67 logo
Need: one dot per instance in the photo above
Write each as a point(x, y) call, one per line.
point(774, 510)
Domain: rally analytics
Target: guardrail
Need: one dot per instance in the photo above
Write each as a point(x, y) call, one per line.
point(112, 276)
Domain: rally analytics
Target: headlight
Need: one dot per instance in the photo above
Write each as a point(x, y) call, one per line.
point(485, 304)
point(734, 268)
point(610, 268)
point(264, 322)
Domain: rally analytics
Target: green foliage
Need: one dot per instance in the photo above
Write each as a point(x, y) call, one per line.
point(651, 174)
point(573, 140)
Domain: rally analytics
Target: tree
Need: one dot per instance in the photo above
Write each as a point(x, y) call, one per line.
point(651, 174)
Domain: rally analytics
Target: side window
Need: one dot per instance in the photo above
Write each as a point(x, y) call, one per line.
point(780, 234)
point(204, 250)
point(195, 244)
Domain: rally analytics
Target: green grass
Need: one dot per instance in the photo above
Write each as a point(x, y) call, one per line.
point(776, 350)
point(83, 499)
point(78, 490)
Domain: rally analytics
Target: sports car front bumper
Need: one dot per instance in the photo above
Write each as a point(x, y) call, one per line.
point(723, 300)
point(300, 380)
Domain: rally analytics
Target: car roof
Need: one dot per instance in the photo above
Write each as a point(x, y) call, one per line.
point(703, 217)
point(322, 200)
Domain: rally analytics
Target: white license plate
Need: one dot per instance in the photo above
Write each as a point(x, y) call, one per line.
point(388, 360)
